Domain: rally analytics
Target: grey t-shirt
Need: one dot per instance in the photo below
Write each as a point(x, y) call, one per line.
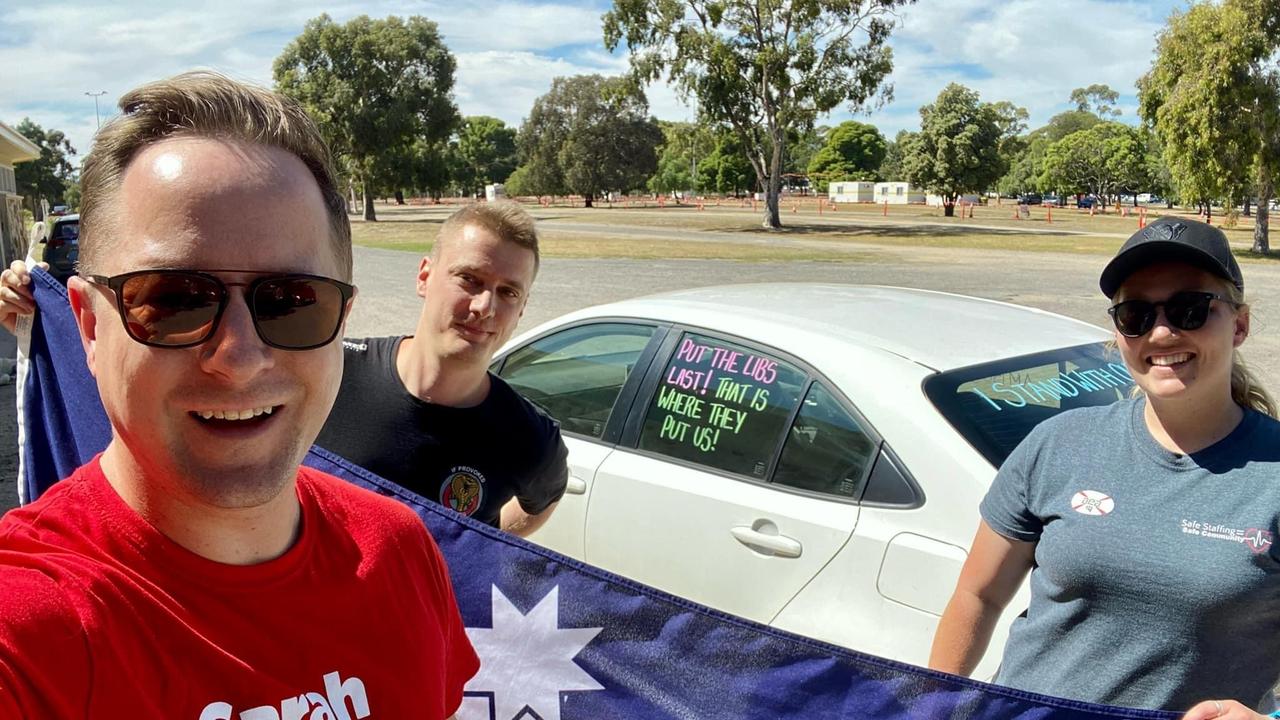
point(1157, 579)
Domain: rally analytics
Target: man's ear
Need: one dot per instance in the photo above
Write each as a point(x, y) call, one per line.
point(80, 293)
point(346, 310)
point(424, 269)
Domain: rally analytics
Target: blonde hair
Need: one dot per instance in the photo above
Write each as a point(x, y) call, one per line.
point(203, 104)
point(1246, 391)
point(504, 218)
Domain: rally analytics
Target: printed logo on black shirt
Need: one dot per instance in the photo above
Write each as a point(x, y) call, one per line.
point(463, 489)
point(1256, 539)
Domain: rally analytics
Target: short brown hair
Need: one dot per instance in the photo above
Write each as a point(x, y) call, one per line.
point(203, 104)
point(504, 218)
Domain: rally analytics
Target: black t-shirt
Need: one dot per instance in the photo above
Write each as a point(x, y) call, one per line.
point(470, 459)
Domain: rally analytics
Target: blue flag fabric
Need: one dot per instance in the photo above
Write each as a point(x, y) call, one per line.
point(559, 639)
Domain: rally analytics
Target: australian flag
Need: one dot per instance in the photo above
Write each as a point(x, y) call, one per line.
point(558, 639)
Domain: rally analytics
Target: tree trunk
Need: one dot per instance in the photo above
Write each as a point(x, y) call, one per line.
point(1246, 206)
point(399, 197)
point(772, 198)
point(1135, 199)
point(773, 190)
point(587, 199)
point(949, 205)
point(369, 213)
point(1261, 226)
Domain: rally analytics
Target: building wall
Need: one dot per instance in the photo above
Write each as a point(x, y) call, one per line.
point(13, 235)
point(851, 192)
point(897, 193)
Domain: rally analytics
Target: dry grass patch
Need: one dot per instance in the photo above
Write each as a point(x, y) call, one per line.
point(804, 236)
point(417, 237)
point(578, 245)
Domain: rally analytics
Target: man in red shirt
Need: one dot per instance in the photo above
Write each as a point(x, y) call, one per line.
point(194, 569)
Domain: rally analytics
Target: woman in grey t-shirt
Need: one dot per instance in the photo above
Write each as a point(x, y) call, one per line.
point(1147, 526)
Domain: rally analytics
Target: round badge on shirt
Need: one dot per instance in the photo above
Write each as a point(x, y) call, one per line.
point(1092, 502)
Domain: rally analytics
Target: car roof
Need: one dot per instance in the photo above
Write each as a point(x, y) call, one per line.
point(941, 331)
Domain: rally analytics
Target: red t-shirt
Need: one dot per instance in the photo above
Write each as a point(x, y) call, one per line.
point(101, 616)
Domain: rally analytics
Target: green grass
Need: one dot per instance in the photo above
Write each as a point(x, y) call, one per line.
point(848, 235)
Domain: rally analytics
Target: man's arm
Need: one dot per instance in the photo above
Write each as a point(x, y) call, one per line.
point(516, 521)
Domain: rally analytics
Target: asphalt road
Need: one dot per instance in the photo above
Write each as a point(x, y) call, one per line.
point(1058, 282)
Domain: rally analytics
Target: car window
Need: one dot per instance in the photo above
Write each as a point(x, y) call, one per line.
point(995, 405)
point(826, 450)
point(67, 231)
point(576, 374)
point(722, 405)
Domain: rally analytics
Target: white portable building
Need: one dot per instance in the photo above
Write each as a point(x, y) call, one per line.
point(851, 191)
point(898, 193)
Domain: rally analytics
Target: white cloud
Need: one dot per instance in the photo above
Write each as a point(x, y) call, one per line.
point(516, 26)
point(1033, 51)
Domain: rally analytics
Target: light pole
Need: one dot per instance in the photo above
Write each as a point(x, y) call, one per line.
point(95, 96)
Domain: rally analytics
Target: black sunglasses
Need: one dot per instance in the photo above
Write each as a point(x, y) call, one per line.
point(181, 308)
point(1186, 310)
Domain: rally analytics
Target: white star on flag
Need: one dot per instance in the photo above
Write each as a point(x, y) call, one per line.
point(526, 661)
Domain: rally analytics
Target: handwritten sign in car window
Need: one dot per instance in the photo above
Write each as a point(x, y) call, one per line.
point(1048, 386)
point(722, 405)
point(994, 405)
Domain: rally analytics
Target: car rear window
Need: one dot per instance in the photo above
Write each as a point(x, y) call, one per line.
point(995, 405)
point(67, 231)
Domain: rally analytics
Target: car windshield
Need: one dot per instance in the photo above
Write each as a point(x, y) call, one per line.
point(994, 405)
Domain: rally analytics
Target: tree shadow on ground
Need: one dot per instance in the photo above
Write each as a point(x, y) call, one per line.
point(879, 230)
point(1273, 256)
point(401, 220)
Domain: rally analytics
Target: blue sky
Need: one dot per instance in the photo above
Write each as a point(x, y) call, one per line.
point(1031, 52)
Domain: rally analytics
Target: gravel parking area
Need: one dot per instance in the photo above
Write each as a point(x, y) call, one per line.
point(1058, 282)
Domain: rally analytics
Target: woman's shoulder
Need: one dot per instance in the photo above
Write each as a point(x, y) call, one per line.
point(1261, 431)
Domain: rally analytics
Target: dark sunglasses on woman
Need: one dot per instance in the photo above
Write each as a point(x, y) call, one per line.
point(182, 308)
point(1186, 310)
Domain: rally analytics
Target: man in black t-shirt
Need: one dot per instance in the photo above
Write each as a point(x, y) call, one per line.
point(424, 411)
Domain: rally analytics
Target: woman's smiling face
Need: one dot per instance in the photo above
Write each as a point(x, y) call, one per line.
point(1169, 362)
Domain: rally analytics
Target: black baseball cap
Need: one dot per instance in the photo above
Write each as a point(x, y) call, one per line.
point(1172, 239)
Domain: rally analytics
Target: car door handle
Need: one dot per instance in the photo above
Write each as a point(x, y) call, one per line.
point(576, 486)
point(779, 545)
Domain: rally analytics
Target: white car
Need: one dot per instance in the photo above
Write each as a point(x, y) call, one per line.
point(807, 456)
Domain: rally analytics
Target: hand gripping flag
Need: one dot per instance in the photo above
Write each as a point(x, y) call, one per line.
point(558, 639)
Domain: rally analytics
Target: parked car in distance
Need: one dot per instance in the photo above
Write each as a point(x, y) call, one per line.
point(807, 456)
point(1030, 199)
point(59, 210)
point(62, 245)
point(1085, 202)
